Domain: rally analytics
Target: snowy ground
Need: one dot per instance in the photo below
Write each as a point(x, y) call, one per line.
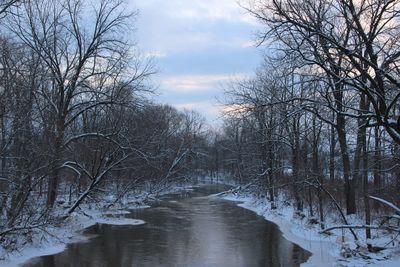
point(54, 239)
point(326, 250)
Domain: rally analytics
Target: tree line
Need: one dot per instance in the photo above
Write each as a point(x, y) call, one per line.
point(320, 121)
point(76, 120)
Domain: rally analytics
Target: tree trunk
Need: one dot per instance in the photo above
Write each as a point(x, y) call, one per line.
point(377, 166)
point(366, 191)
point(316, 170)
point(332, 154)
point(3, 173)
point(307, 174)
point(53, 181)
point(270, 175)
point(349, 186)
point(296, 165)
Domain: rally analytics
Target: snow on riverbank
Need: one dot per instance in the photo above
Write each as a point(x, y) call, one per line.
point(326, 250)
point(52, 240)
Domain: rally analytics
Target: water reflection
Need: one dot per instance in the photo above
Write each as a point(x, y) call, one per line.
point(184, 230)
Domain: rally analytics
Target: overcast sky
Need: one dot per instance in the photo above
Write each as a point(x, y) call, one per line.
point(199, 45)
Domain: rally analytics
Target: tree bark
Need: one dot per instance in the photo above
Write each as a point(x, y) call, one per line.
point(54, 178)
point(296, 164)
point(332, 154)
point(377, 164)
point(349, 185)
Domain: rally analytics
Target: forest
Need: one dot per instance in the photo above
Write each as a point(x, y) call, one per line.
point(76, 119)
point(317, 126)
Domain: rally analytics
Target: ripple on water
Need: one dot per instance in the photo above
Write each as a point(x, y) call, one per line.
point(186, 229)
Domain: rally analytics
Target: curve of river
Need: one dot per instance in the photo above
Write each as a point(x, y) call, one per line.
point(189, 229)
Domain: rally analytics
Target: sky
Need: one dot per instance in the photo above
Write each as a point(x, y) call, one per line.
point(199, 46)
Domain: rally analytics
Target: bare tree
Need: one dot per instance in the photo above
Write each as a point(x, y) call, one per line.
point(87, 63)
point(363, 35)
point(6, 5)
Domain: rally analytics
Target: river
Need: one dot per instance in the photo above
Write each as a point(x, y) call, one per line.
point(189, 229)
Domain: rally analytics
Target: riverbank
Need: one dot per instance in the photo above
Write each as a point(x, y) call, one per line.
point(54, 238)
point(327, 250)
point(188, 228)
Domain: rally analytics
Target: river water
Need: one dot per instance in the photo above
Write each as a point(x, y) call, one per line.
point(183, 229)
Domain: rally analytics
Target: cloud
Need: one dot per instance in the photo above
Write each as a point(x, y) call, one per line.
point(199, 47)
point(248, 43)
point(190, 83)
point(200, 92)
point(177, 25)
point(155, 54)
point(208, 10)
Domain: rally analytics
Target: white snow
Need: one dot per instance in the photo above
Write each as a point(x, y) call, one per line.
point(17, 258)
point(325, 249)
point(55, 240)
